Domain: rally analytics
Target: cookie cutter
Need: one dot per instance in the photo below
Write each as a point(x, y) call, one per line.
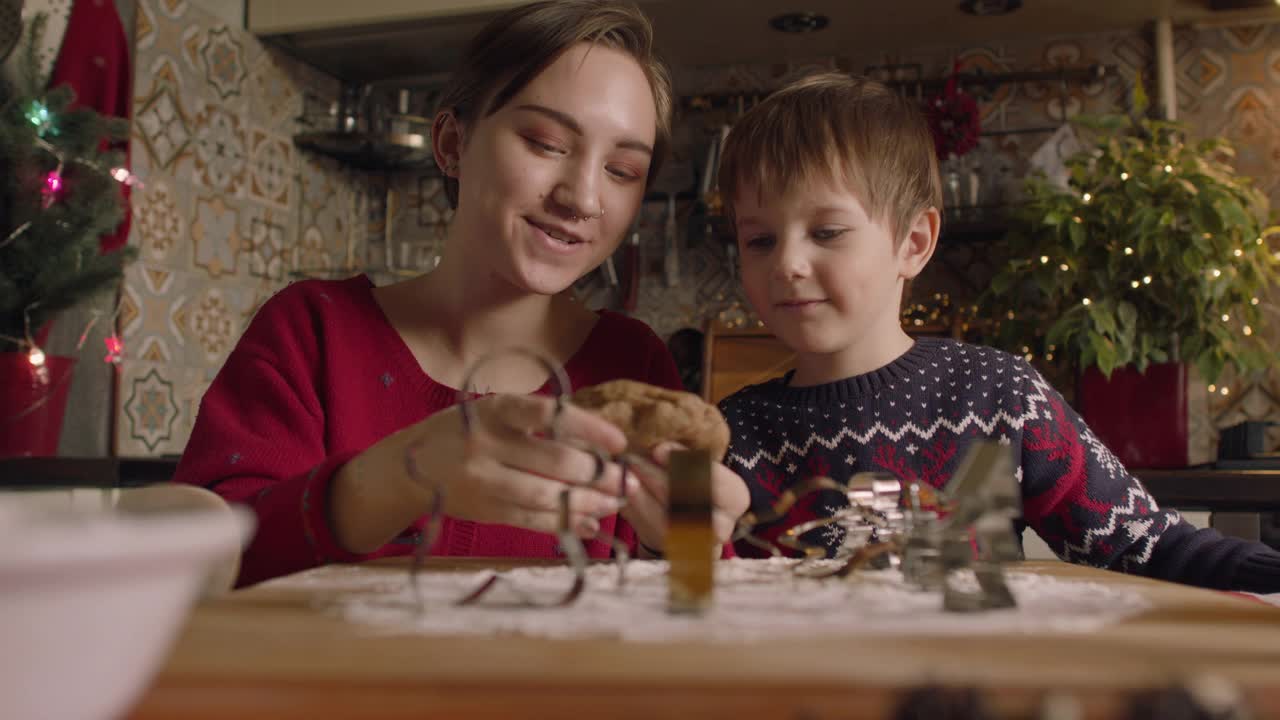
point(570, 544)
point(967, 526)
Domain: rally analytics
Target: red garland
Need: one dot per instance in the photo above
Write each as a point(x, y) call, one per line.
point(954, 120)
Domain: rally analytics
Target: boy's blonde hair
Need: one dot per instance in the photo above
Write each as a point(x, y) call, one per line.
point(842, 128)
point(510, 51)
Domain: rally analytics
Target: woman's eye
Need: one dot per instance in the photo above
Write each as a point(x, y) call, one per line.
point(624, 173)
point(759, 242)
point(544, 146)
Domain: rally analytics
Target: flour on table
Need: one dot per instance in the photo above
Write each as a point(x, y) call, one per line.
point(754, 600)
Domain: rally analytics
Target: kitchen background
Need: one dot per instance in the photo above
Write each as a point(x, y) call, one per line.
point(233, 210)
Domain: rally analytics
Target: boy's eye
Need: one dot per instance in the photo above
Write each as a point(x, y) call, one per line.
point(828, 233)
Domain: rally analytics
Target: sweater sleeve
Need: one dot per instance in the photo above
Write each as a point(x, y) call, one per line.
point(259, 441)
point(1091, 510)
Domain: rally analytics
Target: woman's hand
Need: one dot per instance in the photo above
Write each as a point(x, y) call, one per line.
point(506, 470)
point(647, 499)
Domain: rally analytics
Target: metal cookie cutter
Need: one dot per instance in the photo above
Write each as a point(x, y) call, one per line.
point(570, 543)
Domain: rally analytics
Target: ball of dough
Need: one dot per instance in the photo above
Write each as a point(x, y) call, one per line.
point(650, 415)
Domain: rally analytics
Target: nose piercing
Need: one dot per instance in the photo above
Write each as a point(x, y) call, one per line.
point(589, 217)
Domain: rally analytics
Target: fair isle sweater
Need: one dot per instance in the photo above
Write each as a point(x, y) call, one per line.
point(914, 418)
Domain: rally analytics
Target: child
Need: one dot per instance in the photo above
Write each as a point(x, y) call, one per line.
point(833, 189)
point(547, 136)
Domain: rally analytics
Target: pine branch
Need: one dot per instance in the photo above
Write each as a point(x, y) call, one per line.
point(55, 261)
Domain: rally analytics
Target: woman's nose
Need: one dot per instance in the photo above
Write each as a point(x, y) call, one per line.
point(577, 191)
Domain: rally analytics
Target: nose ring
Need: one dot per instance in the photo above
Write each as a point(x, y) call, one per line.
point(589, 217)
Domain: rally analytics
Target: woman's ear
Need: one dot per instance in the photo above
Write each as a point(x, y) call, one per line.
point(919, 242)
point(447, 141)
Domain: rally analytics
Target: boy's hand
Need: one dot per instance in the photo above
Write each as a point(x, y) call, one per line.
point(647, 496)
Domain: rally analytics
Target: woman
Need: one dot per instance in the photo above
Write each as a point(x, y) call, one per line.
point(547, 135)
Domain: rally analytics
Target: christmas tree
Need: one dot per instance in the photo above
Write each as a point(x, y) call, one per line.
point(59, 192)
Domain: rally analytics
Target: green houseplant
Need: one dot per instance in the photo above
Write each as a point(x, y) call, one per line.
point(1154, 255)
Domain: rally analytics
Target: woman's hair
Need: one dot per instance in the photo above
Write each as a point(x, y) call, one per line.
point(514, 47)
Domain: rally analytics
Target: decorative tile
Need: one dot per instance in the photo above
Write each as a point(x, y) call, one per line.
point(144, 33)
point(271, 168)
point(150, 408)
point(311, 255)
point(154, 350)
point(1210, 72)
point(1246, 38)
point(174, 9)
point(268, 255)
point(272, 96)
point(222, 57)
point(129, 319)
point(988, 60)
point(221, 152)
point(215, 236)
point(213, 325)
point(165, 128)
point(158, 221)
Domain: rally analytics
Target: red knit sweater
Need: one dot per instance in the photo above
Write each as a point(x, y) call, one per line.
point(319, 376)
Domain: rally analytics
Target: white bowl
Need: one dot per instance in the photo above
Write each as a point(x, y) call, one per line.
point(90, 602)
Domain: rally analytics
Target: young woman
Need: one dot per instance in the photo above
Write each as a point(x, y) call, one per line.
point(547, 136)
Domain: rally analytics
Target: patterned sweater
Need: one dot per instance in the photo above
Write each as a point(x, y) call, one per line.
point(914, 417)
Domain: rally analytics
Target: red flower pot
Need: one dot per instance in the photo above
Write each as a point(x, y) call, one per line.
point(1141, 417)
point(32, 401)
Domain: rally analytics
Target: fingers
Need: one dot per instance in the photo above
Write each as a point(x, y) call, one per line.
point(528, 414)
point(563, 460)
point(514, 497)
point(649, 479)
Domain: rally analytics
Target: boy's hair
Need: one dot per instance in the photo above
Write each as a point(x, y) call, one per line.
point(510, 51)
point(844, 128)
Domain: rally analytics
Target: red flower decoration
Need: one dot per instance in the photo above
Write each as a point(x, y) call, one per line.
point(954, 120)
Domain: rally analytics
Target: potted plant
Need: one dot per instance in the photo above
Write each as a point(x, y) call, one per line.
point(1152, 259)
point(59, 192)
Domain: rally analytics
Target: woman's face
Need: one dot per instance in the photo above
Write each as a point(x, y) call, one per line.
point(549, 184)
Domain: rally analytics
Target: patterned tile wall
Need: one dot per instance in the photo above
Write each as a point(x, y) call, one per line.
point(230, 209)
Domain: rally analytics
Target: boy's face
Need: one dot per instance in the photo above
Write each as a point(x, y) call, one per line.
point(822, 275)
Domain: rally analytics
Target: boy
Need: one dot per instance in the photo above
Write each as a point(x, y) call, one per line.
point(833, 189)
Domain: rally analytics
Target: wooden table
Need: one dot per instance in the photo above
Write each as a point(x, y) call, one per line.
point(266, 652)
